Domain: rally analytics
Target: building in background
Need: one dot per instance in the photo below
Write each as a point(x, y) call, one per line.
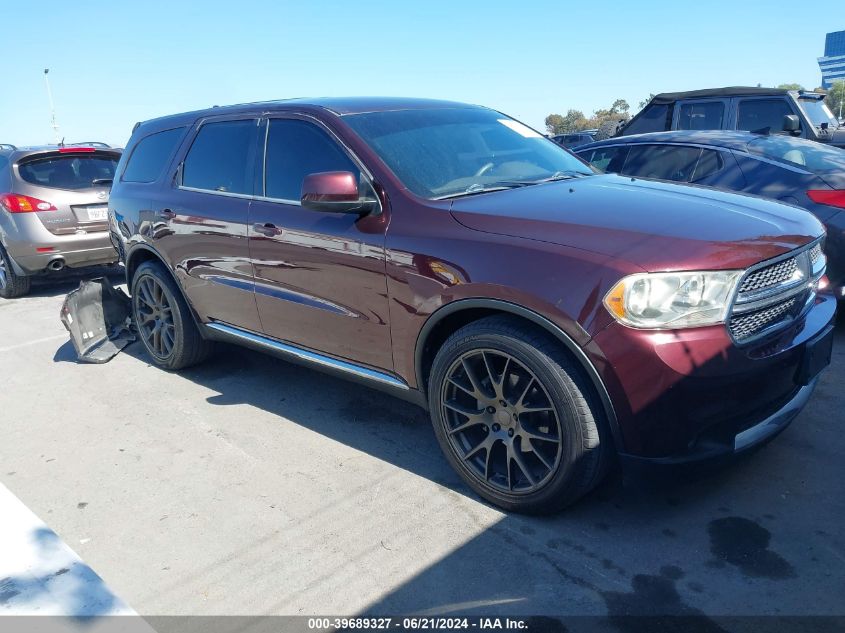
point(832, 64)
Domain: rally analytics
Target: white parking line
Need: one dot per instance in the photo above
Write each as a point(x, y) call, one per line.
point(37, 341)
point(41, 575)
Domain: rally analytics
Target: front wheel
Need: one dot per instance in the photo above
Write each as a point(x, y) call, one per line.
point(515, 416)
point(165, 324)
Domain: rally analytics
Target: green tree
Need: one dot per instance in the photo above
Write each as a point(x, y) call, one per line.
point(790, 87)
point(645, 101)
point(572, 121)
point(835, 99)
point(554, 123)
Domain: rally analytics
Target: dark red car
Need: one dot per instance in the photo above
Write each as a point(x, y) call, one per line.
point(547, 316)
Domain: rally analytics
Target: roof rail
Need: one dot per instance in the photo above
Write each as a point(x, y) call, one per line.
point(7, 146)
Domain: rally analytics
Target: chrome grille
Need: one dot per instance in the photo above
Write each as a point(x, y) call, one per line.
point(770, 276)
point(743, 326)
point(772, 295)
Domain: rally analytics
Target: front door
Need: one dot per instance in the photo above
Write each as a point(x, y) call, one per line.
point(319, 276)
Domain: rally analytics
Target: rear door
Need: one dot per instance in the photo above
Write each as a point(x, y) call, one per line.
point(74, 185)
point(319, 276)
point(198, 218)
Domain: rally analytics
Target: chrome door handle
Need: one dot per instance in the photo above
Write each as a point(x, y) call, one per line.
point(268, 229)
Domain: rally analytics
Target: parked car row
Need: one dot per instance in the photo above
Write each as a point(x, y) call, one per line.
point(53, 210)
point(798, 113)
point(550, 318)
point(792, 170)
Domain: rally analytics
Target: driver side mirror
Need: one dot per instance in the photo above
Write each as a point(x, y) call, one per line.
point(791, 123)
point(335, 192)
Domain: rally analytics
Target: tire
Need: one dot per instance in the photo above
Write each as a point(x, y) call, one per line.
point(12, 285)
point(543, 477)
point(153, 284)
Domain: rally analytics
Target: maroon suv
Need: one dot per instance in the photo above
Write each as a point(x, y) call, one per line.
point(547, 316)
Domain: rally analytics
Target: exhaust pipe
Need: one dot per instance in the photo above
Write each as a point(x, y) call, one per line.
point(56, 264)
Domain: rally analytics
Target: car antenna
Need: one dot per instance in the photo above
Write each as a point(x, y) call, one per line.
point(62, 142)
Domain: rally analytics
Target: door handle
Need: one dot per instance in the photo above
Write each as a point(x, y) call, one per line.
point(267, 229)
point(167, 214)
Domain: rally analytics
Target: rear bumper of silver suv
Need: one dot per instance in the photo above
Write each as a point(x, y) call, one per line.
point(24, 236)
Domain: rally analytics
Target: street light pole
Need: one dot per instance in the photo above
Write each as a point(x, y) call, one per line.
point(53, 123)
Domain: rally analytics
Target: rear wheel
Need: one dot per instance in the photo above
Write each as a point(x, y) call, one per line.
point(11, 284)
point(515, 416)
point(165, 324)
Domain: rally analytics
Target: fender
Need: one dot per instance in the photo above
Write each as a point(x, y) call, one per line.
point(547, 325)
point(143, 246)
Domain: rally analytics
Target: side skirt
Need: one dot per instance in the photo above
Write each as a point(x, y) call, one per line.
point(382, 381)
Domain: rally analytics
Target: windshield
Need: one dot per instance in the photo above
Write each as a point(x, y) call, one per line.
point(815, 157)
point(818, 112)
point(460, 151)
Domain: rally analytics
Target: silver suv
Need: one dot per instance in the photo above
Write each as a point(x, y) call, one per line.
point(53, 210)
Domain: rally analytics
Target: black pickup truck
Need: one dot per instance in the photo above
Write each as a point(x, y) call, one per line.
point(795, 112)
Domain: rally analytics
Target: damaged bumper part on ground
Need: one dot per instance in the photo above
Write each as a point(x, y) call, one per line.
point(97, 315)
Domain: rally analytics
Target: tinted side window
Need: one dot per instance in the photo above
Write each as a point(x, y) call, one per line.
point(220, 157)
point(663, 162)
point(709, 163)
point(655, 118)
point(294, 150)
point(756, 114)
point(708, 115)
point(608, 159)
point(150, 156)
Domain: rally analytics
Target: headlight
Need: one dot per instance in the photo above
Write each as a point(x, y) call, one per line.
point(672, 300)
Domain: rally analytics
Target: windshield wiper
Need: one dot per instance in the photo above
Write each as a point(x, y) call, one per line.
point(499, 185)
point(558, 175)
point(477, 188)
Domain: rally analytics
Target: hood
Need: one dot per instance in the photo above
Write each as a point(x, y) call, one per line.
point(837, 137)
point(656, 226)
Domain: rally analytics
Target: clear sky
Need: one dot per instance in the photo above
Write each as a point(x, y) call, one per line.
point(115, 62)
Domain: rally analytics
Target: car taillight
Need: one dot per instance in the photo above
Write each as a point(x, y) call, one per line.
point(16, 203)
point(831, 197)
point(74, 150)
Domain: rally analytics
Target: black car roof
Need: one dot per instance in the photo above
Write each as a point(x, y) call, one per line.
point(339, 106)
point(734, 91)
point(730, 139)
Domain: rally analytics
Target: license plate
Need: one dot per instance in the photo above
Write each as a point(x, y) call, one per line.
point(817, 353)
point(97, 214)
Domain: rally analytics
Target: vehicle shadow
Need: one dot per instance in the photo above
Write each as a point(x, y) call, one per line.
point(61, 283)
point(73, 590)
point(679, 542)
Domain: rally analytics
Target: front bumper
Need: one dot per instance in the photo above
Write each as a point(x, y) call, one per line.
point(716, 448)
point(691, 395)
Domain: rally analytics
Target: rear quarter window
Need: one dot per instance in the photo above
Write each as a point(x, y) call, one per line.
point(655, 118)
point(150, 156)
